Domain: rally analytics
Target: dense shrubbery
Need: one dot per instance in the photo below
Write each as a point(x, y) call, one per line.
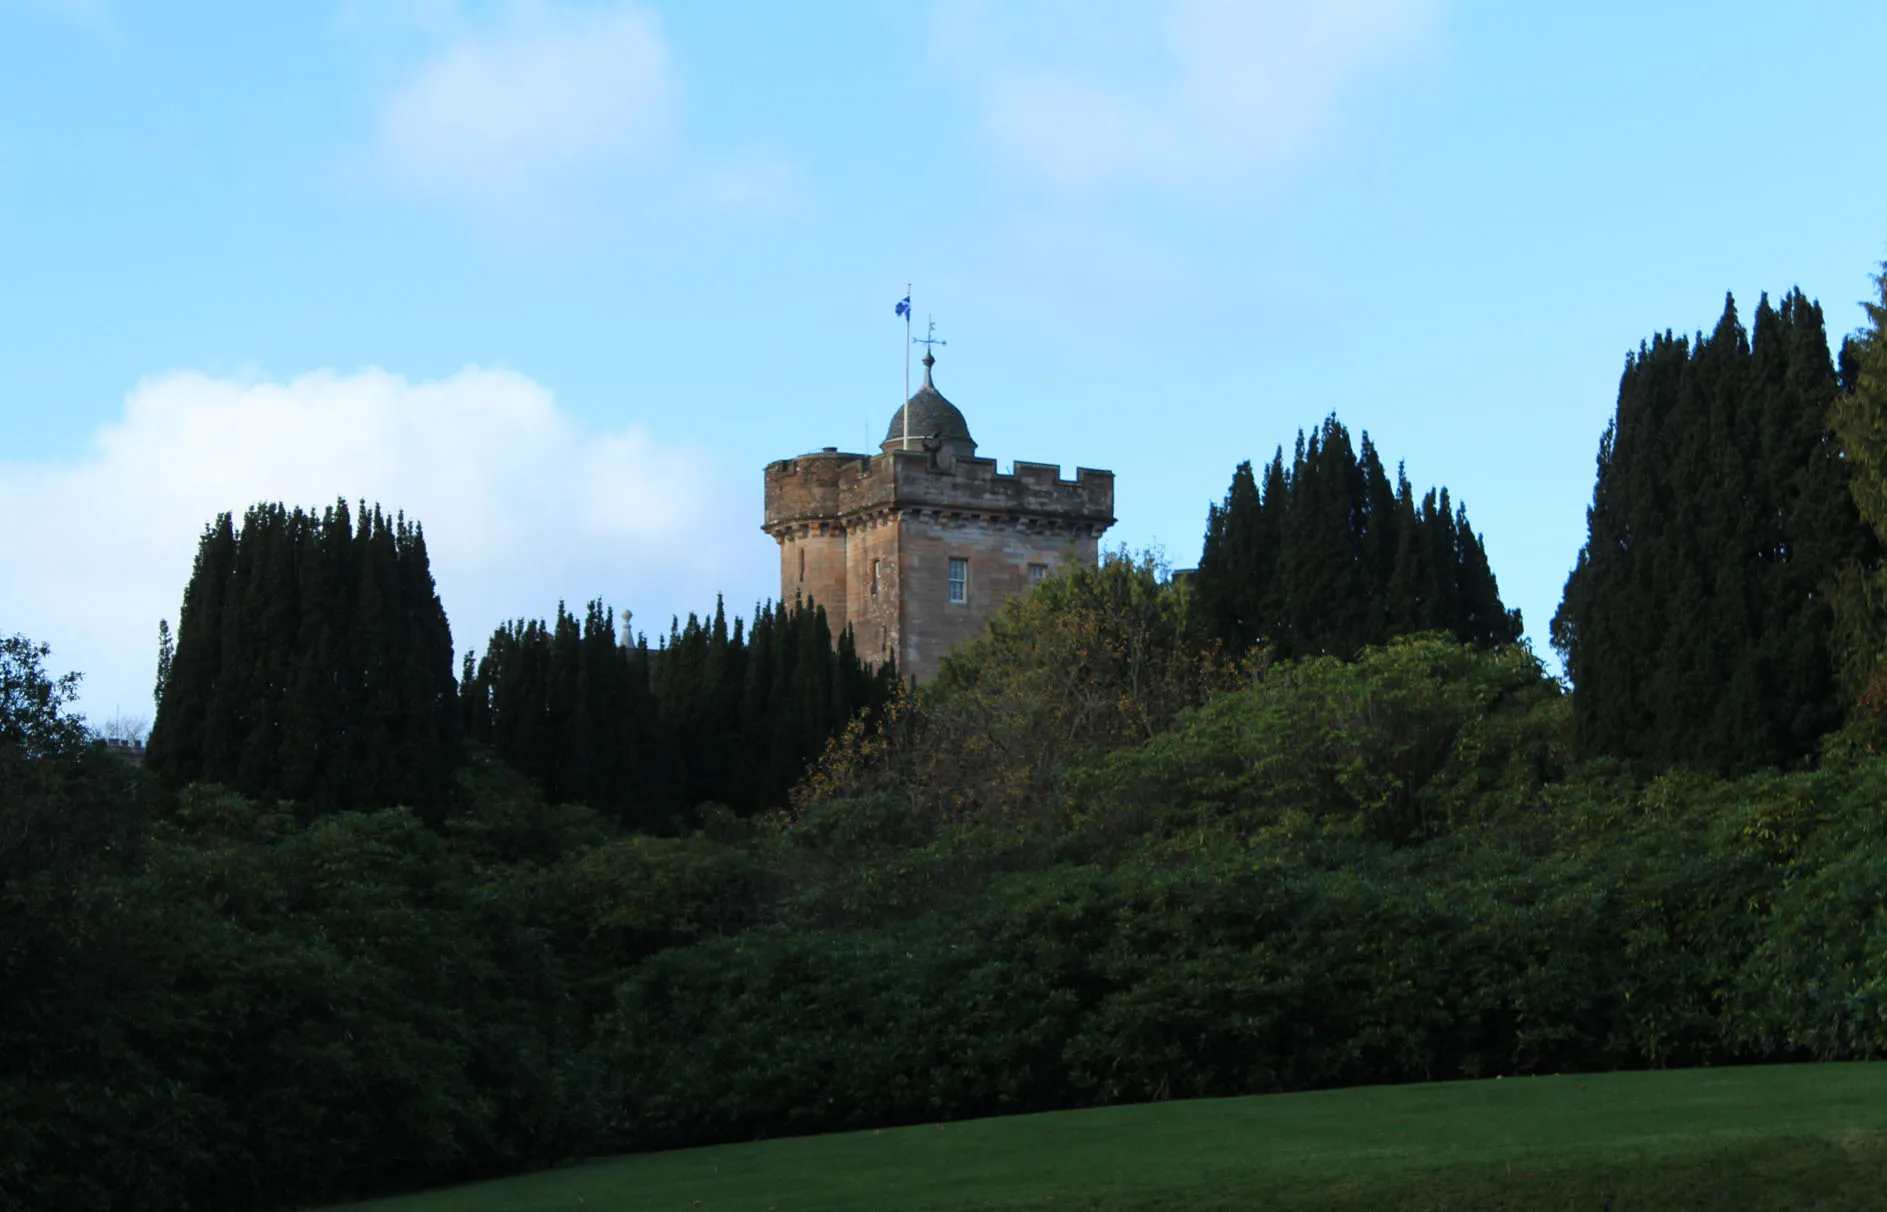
point(254, 1012)
point(1309, 874)
point(1409, 741)
point(1086, 662)
point(1690, 921)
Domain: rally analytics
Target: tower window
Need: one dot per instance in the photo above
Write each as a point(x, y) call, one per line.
point(874, 578)
point(959, 580)
point(802, 563)
point(1038, 573)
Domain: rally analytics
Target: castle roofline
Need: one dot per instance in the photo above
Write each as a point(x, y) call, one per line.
point(934, 422)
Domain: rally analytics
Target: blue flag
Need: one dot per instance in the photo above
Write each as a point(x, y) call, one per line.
point(904, 307)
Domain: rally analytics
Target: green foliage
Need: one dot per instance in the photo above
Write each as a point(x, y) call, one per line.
point(606, 908)
point(313, 663)
point(1695, 626)
point(1273, 878)
point(1420, 737)
point(72, 821)
point(1816, 986)
point(804, 1032)
point(1860, 413)
point(1090, 660)
point(1248, 969)
point(873, 861)
point(1330, 558)
point(1345, 873)
point(259, 1012)
point(649, 736)
point(166, 653)
point(1342, 873)
point(34, 721)
point(504, 820)
point(1859, 418)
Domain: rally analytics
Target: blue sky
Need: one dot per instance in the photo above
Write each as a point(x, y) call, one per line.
point(560, 278)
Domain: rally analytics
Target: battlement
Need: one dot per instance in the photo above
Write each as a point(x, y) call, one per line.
point(831, 486)
point(130, 751)
point(915, 548)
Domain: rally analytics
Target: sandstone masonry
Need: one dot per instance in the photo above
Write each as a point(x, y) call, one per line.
point(916, 547)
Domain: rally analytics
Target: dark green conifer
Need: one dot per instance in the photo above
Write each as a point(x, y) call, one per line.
point(1235, 545)
point(1331, 558)
point(313, 664)
point(716, 714)
point(181, 731)
point(166, 652)
point(1859, 601)
point(1695, 624)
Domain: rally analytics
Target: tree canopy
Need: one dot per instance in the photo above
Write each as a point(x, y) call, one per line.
point(647, 735)
point(1329, 557)
point(313, 663)
point(1859, 418)
point(1695, 625)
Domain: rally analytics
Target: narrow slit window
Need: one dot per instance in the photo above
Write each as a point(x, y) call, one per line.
point(874, 578)
point(802, 563)
point(959, 580)
point(1038, 573)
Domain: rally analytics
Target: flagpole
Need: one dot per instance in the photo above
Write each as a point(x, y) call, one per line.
point(904, 409)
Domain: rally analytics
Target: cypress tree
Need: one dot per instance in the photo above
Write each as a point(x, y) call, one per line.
point(180, 733)
point(755, 698)
point(1330, 557)
point(166, 651)
point(431, 738)
point(315, 713)
point(1410, 587)
point(1695, 624)
point(1859, 420)
point(313, 664)
point(1443, 527)
point(717, 714)
point(1379, 542)
point(1236, 564)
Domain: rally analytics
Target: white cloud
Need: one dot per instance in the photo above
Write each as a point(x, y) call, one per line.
point(521, 504)
point(509, 121)
point(1198, 95)
point(555, 117)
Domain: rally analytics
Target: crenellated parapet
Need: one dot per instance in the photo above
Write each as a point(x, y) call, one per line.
point(837, 489)
point(916, 547)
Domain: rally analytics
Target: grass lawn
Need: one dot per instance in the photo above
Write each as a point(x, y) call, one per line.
point(1786, 1136)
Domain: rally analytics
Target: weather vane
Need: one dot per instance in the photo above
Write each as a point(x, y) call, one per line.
point(930, 338)
point(927, 340)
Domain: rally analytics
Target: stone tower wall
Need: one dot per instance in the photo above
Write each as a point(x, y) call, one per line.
point(872, 546)
point(812, 566)
point(998, 552)
point(907, 514)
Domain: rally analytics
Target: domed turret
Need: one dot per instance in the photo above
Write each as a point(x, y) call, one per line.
point(935, 423)
point(911, 553)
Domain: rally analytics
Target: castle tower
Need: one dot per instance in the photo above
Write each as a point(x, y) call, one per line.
point(916, 548)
